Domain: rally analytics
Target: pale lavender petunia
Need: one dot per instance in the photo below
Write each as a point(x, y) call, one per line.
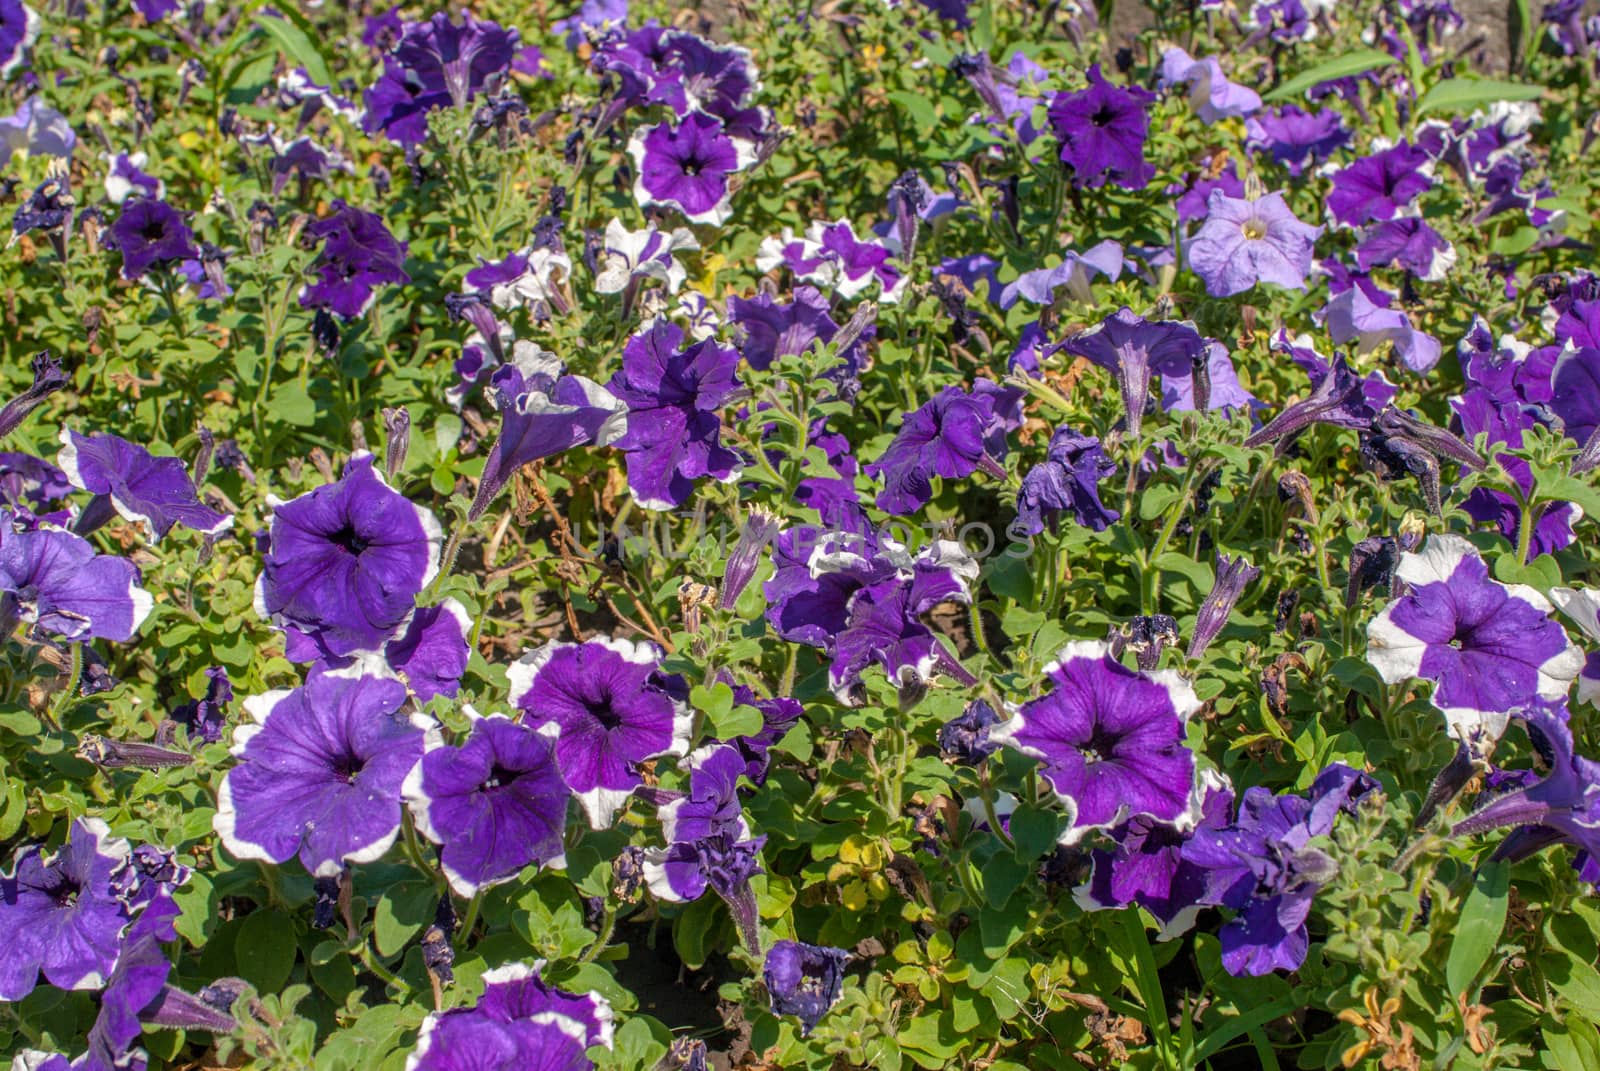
point(1075, 273)
point(1244, 242)
point(1210, 93)
point(1490, 648)
point(1110, 740)
point(319, 774)
point(1352, 316)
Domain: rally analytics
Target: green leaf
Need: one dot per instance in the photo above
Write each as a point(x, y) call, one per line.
point(1034, 830)
point(1467, 94)
point(297, 46)
point(1483, 916)
point(401, 913)
point(263, 954)
point(1351, 63)
point(1001, 876)
point(691, 933)
point(920, 107)
point(291, 403)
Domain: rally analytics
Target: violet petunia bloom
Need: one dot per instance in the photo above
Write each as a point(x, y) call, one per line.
point(608, 707)
point(206, 718)
point(428, 651)
point(62, 912)
point(1133, 349)
point(1075, 272)
point(1575, 391)
point(540, 417)
point(1244, 242)
point(1563, 806)
point(1265, 867)
point(965, 737)
point(1410, 243)
point(519, 1024)
point(774, 329)
point(1066, 481)
point(591, 15)
point(149, 232)
point(673, 434)
point(628, 256)
point(1110, 740)
point(19, 28)
point(1489, 648)
point(832, 257)
point(1296, 138)
point(495, 804)
point(1146, 865)
point(687, 167)
point(346, 561)
point(1212, 96)
point(358, 256)
point(952, 435)
point(760, 527)
point(778, 715)
point(1233, 576)
point(154, 491)
point(804, 980)
point(320, 773)
point(54, 579)
point(1102, 130)
point(37, 129)
point(1582, 606)
point(436, 64)
point(1352, 316)
point(526, 279)
point(1379, 186)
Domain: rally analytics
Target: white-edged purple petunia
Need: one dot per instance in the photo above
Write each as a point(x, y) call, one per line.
point(627, 256)
point(63, 913)
point(154, 491)
point(320, 773)
point(1490, 648)
point(54, 579)
point(608, 707)
point(347, 560)
point(519, 1024)
point(495, 804)
point(687, 166)
point(1582, 605)
point(1111, 740)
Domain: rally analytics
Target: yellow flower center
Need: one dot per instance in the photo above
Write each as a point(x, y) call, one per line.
point(1254, 229)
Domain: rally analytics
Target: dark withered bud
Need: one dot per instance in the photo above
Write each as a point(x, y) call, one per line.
point(1436, 440)
point(263, 220)
point(1295, 486)
point(321, 462)
point(224, 993)
point(438, 954)
point(48, 378)
point(397, 424)
point(1275, 681)
point(1065, 868)
point(1372, 564)
point(1233, 576)
point(1200, 376)
point(325, 332)
point(1288, 600)
point(1146, 636)
point(212, 260)
point(687, 1054)
point(908, 198)
point(1447, 784)
point(326, 907)
point(202, 457)
point(864, 316)
point(1589, 456)
point(117, 754)
point(627, 873)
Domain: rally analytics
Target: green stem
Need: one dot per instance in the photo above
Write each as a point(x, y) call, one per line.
point(64, 698)
point(388, 977)
point(470, 920)
point(608, 926)
point(1531, 515)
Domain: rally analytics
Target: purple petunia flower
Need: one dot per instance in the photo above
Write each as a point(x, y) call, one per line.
point(319, 775)
point(687, 167)
point(778, 715)
point(1111, 740)
point(436, 64)
point(144, 489)
point(519, 1024)
point(1489, 648)
point(1211, 95)
point(1102, 131)
point(1338, 396)
point(150, 232)
point(608, 708)
point(1410, 243)
point(1295, 138)
point(804, 980)
point(1245, 241)
point(1233, 576)
point(358, 256)
point(775, 329)
point(952, 435)
point(831, 256)
point(19, 27)
point(1265, 867)
point(628, 256)
point(346, 562)
point(591, 15)
point(37, 129)
point(1066, 480)
point(1133, 349)
point(63, 913)
point(206, 718)
point(495, 804)
point(526, 279)
point(1147, 867)
point(1575, 391)
point(54, 579)
point(540, 417)
point(1379, 186)
point(965, 737)
point(673, 434)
